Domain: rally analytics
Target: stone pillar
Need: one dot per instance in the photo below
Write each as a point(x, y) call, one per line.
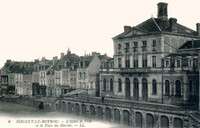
point(171, 122)
point(123, 62)
point(104, 112)
point(131, 61)
point(121, 116)
point(185, 88)
point(140, 60)
point(156, 121)
point(149, 61)
point(143, 119)
point(132, 117)
point(80, 108)
point(112, 114)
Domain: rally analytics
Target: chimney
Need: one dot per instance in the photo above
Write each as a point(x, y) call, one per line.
point(198, 29)
point(8, 61)
point(162, 11)
point(36, 61)
point(55, 59)
point(127, 28)
point(173, 24)
point(68, 52)
point(62, 55)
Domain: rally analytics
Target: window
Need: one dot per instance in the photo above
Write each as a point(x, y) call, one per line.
point(178, 88)
point(127, 45)
point(135, 61)
point(119, 62)
point(144, 60)
point(119, 85)
point(135, 44)
point(104, 84)
point(154, 87)
point(144, 43)
point(190, 63)
point(154, 43)
point(80, 75)
point(127, 62)
point(119, 46)
point(81, 64)
point(167, 63)
point(153, 61)
point(111, 85)
point(167, 87)
point(84, 75)
point(178, 63)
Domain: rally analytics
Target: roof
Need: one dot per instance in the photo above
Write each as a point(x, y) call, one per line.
point(104, 57)
point(21, 67)
point(183, 55)
point(191, 44)
point(156, 25)
point(68, 60)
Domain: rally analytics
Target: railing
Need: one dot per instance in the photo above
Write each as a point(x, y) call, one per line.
point(139, 105)
point(148, 69)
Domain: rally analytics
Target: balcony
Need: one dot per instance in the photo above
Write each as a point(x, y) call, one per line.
point(134, 70)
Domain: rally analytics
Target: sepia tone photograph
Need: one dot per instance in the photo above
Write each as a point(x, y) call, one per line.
point(99, 64)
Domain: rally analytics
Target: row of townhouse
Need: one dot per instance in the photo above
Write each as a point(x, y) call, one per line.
point(54, 77)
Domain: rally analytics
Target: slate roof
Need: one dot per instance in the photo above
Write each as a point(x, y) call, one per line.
point(69, 58)
point(21, 67)
point(191, 44)
point(156, 25)
point(104, 57)
point(183, 55)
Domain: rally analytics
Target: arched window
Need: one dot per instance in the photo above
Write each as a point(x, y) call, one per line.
point(80, 75)
point(119, 85)
point(84, 75)
point(154, 87)
point(144, 89)
point(164, 122)
point(111, 85)
point(178, 88)
point(167, 87)
point(104, 84)
point(136, 89)
point(127, 88)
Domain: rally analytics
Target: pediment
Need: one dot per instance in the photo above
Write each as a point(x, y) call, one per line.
point(134, 32)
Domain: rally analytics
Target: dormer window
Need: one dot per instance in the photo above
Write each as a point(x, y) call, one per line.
point(135, 44)
point(167, 63)
point(127, 45)
point(178, 63)
point(144, 43)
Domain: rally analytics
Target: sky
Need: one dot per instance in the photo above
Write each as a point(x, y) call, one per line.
point(31, 29)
